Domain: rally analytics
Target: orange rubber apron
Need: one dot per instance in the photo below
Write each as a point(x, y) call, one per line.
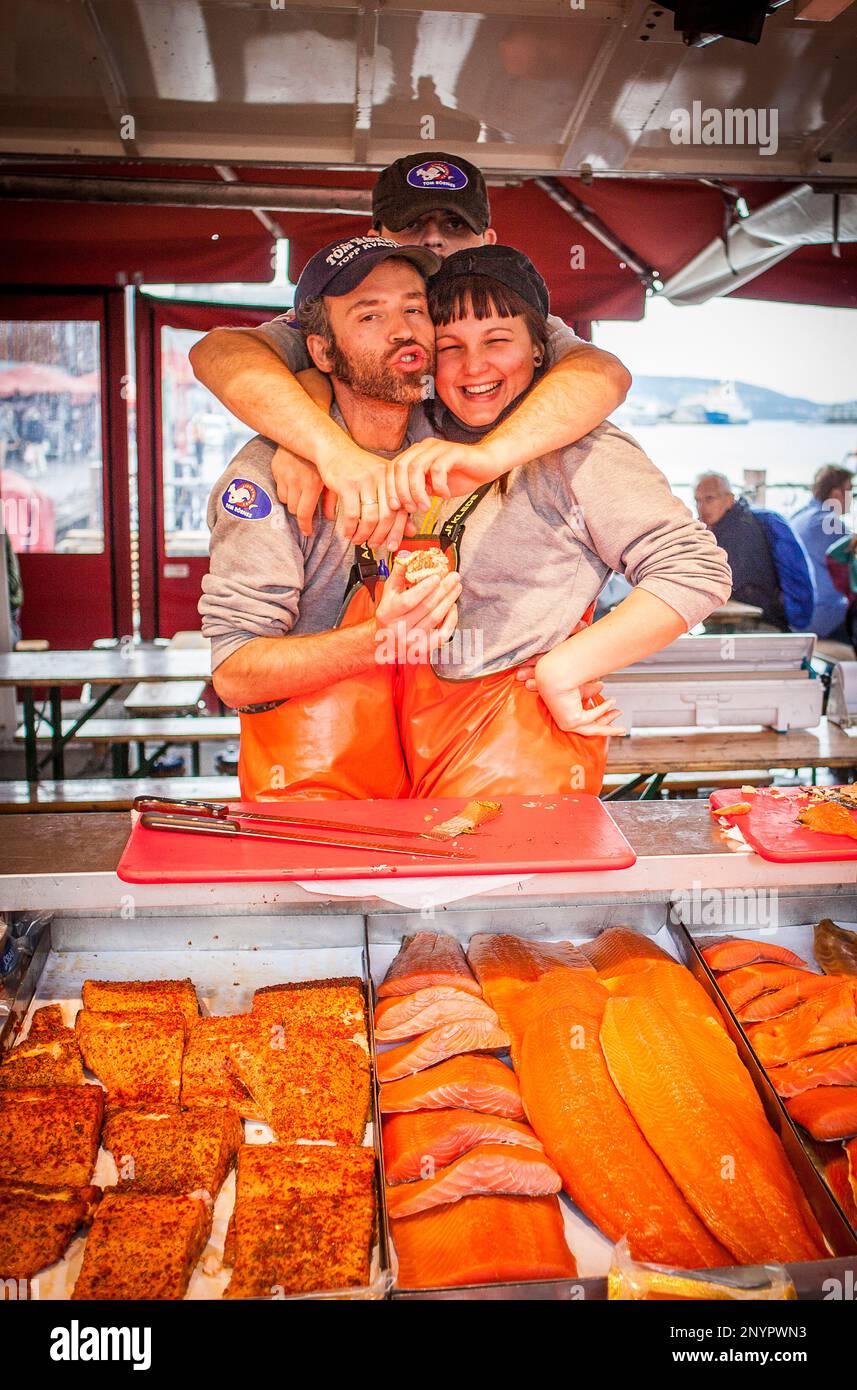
point(342, 742)
point(488, 736)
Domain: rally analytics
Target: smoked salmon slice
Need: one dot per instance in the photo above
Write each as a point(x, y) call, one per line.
point(780, 1001)
point(408, 1015)
point(416, 1145)
point(828, 1112)
point(483, 1240)
point(702, 1131)
point(825, 1021)
point(620, 951)
point(589, 1134)
point(838, 1067)
point(746, 983)
point(483, 1084)
point(838, 1177)
point(471, 1035)
point(731, 952)
point(507, 1170)
point(424, 959)
point(851, 1151)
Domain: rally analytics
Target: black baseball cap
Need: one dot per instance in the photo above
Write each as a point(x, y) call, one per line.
point(340, 267)
point(512, 268)
point(420, 183)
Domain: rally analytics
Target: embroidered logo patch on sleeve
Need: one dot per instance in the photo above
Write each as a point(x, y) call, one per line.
point(246, 500)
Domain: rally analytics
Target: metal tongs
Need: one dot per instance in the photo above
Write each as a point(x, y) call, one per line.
point(216, 818)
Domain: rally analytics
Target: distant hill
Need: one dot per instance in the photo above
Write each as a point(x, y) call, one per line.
point(669, 391)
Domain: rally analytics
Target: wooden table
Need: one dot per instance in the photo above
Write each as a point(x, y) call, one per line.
point(126, 665)
point(652, 754)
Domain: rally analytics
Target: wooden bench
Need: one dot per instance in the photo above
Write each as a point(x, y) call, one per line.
point(110, 793)
point(119, 734)
point(690, 783)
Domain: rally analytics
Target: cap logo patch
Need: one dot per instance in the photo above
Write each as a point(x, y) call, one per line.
point(248, 501)
point(345, 251)
point(434, 173)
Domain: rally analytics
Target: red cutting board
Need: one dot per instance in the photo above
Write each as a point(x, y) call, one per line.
point(770, 827)
point(546, 834)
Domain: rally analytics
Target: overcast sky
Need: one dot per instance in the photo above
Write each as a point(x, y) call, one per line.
point(794, 348)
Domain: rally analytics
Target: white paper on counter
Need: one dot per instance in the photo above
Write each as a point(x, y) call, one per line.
point(413, 893)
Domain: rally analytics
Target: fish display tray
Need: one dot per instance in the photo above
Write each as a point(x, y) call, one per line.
point(769, 828)
point(533, 834)
point(809, 1157)
point(592, 1250)
point(226, 966)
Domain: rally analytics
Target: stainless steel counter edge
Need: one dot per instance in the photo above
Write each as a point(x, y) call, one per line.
point(678, 847)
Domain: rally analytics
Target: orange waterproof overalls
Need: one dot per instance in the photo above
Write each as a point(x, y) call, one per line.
point(339, 742)
point(488, 736)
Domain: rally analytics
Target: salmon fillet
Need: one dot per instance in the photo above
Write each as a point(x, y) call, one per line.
point(172, 1154)
point(415, 1146)
point(45, 1023)
point(781, 1001)
point(671, 985)
point(837, 1173)
point(450, 1039)
point(835, 948)
point(333, 1008)
point(37, 1225)
point(140, 996)
point(503, 956)
point(310, 1088)
point(49, 1135)
point(828, 1112)
point(503, 1169)
point(136, 1056)
point(741, 986)
point(522, 979)
point(304, 1220)
point(143, 1247)
point(589, 1134)
point(208, 1077)
point(49, 1061)
point(838, 1067)
point(408, 1015)
point(468, 1082)
point(620, 951)
point(718, 1157)
point(483, 1240)
point(820, 1023)
point(428, 958)
point(851, 1151)
point(731, 952)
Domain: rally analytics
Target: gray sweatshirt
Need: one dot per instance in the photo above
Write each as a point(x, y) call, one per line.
point(531, 562)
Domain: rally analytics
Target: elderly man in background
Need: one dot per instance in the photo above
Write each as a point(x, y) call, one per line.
point(819, 525)
point(770, 567)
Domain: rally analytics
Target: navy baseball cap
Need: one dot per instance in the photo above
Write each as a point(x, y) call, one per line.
point(504, 263)
point(420, 183)
point(340, 267)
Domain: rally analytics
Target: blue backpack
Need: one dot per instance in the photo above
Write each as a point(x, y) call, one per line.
point(793, 566)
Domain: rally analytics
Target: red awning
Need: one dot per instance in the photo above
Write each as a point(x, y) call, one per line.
point(665, 223)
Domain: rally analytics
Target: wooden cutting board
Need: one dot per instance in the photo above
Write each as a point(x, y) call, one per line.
point(547, 834)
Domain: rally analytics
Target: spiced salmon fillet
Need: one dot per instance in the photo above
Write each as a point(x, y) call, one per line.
point(827, 1020)
point(483, 1240)
point(408, 1015)
point(717, 1148)
point(469, 1082)
point(732, 952)
point(424, 959)
point(589, 1134)
point(828, 1112)
point(836, 1067)
point(739, 987)
point(781, 1001)
point(416, 1145)
point(438, 1044)
point(501, 1169)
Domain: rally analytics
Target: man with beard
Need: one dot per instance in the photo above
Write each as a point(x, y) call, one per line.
point(299, 624)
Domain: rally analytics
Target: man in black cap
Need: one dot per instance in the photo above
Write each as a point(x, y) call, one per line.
point(438, 201)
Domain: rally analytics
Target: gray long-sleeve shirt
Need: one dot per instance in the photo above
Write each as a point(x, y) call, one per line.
point(531, 562)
